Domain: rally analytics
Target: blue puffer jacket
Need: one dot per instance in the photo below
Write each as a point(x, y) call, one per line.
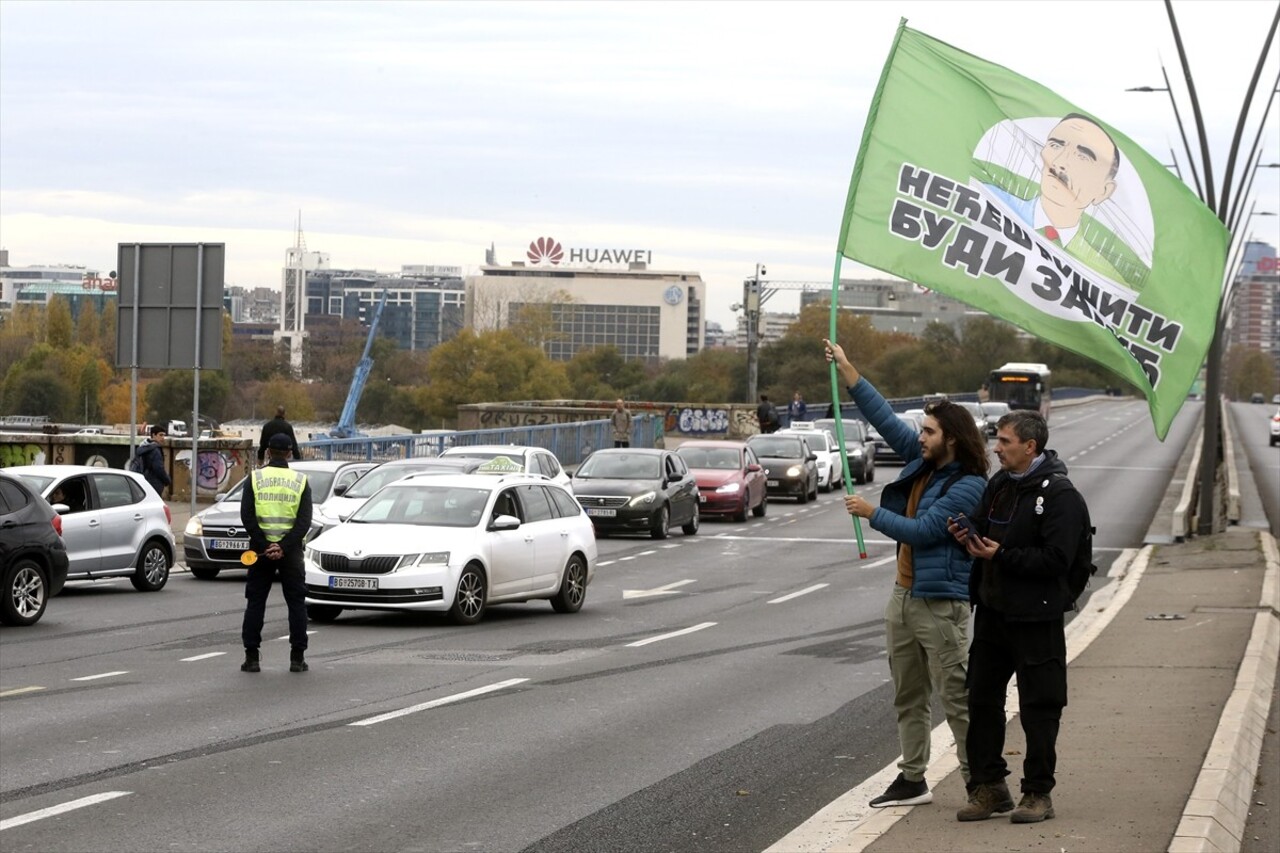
point(941, 567)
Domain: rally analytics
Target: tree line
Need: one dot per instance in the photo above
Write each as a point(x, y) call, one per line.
point(63, 369)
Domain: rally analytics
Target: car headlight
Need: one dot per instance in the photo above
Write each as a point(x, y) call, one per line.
point(642, 500)
point(855, 451)
point(793, 471)
point(728, 489)
point(309, 554)
point(431, 558)
point(823, 463)
point(195, 527)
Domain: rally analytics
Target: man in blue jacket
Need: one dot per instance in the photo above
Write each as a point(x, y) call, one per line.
point(927, 618)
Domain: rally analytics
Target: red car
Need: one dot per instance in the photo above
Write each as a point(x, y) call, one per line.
point(730, 478)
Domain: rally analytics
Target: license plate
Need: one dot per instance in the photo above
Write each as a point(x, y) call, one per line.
point(353, 583)
point(229, 544)
point(702, 499)
point(771, 482)
point(601, 513)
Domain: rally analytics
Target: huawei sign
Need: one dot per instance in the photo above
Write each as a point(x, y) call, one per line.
point(545, 249)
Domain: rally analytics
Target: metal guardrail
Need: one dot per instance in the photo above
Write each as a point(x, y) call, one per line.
point(570, 442)
point(1184, 515)
point(850, 411)
point(1229, 466)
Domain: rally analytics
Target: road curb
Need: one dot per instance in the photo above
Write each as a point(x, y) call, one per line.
point(1218, 808)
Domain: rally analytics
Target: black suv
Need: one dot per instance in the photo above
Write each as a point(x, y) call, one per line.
point(31, 552)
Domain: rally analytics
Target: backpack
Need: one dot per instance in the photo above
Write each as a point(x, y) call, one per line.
point(1082, 569)
point(135, 464)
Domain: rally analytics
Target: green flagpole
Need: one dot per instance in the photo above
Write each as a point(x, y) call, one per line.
point(835, 406)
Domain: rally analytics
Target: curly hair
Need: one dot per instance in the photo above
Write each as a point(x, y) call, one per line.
point(957, 423)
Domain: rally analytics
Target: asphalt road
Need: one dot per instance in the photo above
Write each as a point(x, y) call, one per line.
point(760, 696)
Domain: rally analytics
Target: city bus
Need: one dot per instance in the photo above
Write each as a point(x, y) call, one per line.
point(1021, 385)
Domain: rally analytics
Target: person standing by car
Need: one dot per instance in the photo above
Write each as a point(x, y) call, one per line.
point(1030, 524)
point(278, 426)
point(621, 419)
point(151, 460)
point(275, 510)
point(796, 409)
point(927, 618)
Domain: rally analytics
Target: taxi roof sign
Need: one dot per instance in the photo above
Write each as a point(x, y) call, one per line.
point(500, 465)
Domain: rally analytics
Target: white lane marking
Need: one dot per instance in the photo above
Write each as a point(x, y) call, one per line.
point(679, 633)
point(889, 559)
point(850, 541)
point(1115, 468)
point(645, 553)
point(665, 589)
point(286, 636)
point(672, 545)
point(19, 690)
point(101, 675)
point(9, 823)
point(436, 703)
point(806, 591)
point(605, 563)
point(625, 559)
point(204, 656)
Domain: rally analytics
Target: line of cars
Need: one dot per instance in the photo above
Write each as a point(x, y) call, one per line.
point(111, 524)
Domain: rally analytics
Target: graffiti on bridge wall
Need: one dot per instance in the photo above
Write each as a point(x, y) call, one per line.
point(503, 419)
point(214, 468)
point(13, 455)
point(697, 421)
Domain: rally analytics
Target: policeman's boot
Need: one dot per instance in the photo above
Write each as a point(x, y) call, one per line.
point(297, 663)
point(251, 661)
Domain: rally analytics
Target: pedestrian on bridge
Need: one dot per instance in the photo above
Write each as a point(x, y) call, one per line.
point(621, 420)
point(278, 426)
point(927, 618)
point(1031, 521)
point(275, 510)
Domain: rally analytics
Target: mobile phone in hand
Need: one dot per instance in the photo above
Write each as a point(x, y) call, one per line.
point(963, 522)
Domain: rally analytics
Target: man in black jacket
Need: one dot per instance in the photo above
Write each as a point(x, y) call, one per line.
point(278, 425)
point(151, 455)
point(1030, 523)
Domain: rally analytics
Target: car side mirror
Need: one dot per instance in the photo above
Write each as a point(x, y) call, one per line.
point(339, 491)
point(753, 468)
point(813, 457)
point(61, 509)
point(505, 522)
point(219, 498)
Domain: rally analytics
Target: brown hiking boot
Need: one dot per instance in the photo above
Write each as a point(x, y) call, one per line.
point(1033, 808)
point(986, 801)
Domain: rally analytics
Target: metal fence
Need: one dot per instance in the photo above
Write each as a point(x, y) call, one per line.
point(850, 411)
point(571, 442)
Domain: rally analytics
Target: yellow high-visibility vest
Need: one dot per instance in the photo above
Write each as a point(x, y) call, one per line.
point(277, 495)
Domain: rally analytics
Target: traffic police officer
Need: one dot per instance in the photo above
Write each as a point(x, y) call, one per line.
point(276, 512)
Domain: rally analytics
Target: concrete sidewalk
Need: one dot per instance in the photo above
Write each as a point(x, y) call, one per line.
point(1172, 670)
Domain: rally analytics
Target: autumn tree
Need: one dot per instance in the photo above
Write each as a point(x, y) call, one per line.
point(487, 367)
point(601, 373)
point(1249, 371)
point(58, 322)
point(280, 391)
point(173, 394)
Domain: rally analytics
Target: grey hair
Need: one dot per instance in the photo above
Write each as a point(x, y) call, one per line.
point(1028, 425)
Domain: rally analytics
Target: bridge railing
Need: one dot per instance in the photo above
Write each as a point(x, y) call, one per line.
point(570, 442)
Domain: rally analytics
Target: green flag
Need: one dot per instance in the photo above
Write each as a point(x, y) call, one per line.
point(988, 187)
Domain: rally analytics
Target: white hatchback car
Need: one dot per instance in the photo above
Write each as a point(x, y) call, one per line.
point(113, 523)
point(505, 458)
point(454, 543)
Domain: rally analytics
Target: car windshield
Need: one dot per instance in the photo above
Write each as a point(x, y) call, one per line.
point(853, 430)
point(910, 420)
point(465, 453)
point(776, 447)
point(424, 506)
point(721, 458)
point(375, 478)
point(34, 483)
point(320, 481)
point(995, 409)
point(974, 409)
point(620, 466)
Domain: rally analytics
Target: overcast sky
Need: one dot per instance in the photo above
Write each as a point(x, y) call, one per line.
point(716, 134)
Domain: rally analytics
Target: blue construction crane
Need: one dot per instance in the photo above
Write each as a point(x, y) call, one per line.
point(346, 427)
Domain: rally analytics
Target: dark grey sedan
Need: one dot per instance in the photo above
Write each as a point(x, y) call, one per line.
point(790, 467)
point(637, 489)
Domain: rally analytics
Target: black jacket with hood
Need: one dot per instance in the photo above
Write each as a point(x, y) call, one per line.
point(1039, 522)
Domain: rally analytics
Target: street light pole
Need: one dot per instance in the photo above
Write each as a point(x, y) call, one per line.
point(751, 312)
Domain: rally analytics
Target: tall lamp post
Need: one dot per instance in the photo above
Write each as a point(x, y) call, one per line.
point(751, 302)
point(1228, 208)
